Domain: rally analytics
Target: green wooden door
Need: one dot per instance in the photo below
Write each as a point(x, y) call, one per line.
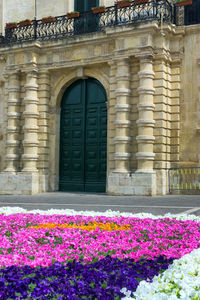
point(83, 137)
point(88, 22)
point(85, 5)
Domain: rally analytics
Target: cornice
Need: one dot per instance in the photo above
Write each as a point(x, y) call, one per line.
point(192, 29)
point(31, 46)
point(145, 52)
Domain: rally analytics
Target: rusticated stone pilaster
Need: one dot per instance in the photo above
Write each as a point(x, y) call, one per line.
point(111, 115)
point(13, 116)
point(145, 123)
point(43, 107)
point(122, 121)
point(30, 142)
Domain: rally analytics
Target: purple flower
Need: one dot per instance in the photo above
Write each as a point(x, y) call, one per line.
point(102, 280)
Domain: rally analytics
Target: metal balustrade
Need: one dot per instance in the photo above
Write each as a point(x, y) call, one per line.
point(88, 22)
point(184, 179)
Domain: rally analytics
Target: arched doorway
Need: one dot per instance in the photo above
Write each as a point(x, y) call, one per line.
point(83, 137)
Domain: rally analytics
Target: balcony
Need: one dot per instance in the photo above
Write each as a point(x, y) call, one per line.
point(63, 27)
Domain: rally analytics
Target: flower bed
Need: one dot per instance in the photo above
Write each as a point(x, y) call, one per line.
point(103, 279)
point(180, 281)
point(60, 254)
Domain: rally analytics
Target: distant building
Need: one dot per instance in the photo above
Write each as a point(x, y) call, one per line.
point(105, 102)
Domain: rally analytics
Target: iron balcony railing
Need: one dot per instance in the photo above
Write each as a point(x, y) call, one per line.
point(184, 179)
point(88, 22)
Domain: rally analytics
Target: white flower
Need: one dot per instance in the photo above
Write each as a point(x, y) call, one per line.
point(180, 281)
point(109, 213)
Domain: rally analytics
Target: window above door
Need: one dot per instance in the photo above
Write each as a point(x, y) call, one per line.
point(85, 5)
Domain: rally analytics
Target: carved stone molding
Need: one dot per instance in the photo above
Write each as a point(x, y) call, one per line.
point(2, 58)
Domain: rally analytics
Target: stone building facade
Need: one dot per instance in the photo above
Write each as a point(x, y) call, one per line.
point(150, 76)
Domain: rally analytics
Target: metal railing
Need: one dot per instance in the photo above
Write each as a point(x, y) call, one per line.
point(88, 22)
point(184, 179)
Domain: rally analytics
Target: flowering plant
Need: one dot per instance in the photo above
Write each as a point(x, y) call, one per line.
point(73, 12)
point(94, 255)
point(49, 17)
point(11, 24)
point(25, 20)
point(98, 7)
point(184, 2)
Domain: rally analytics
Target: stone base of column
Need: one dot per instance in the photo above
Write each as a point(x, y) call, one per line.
point(162, 183)
point(138, 184)
point(22, 183)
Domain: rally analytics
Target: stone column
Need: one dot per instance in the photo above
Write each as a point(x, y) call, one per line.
point(44, 89)
point(13, 116)
point(145, 123)
point(30, 128)
point(122, 121)
point(111, 115)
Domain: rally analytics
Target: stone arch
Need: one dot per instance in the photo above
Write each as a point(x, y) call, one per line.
point(65, 81)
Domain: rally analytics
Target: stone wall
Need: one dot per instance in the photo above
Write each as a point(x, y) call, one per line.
point(153, 89)
point(3, 112)
point(167, 113)
point(190, 98)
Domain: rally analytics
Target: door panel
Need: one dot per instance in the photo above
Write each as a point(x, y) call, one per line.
point(192, 13)
point(92, 3)
point(88, 22)
point(85, 5)
point(72, 139)
point(83, 137)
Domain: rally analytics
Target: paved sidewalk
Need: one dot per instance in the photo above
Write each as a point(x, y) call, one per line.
point(101, 202)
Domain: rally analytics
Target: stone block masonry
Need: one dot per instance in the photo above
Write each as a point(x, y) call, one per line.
point(150, 110)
